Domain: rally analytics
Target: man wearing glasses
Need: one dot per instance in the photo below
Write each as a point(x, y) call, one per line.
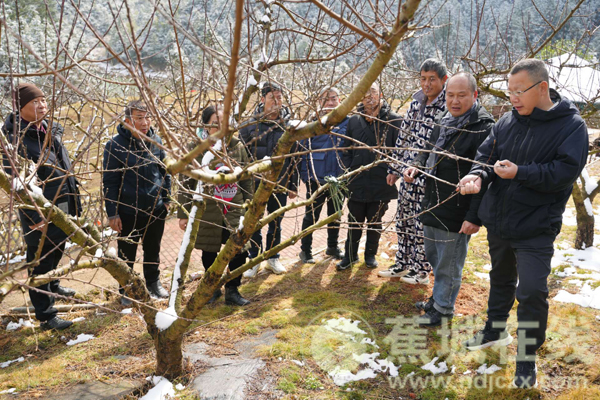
point(535, 154)
point(411, 264)
point(136, 192)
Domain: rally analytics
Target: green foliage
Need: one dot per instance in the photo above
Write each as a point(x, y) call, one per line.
point(562, 46)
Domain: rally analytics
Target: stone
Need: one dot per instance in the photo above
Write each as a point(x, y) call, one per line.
point(95, 390)
point(226, 378)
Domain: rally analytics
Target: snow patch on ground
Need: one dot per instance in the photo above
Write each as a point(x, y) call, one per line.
point(484, 369)
point(82, 337)
point(6, 364)
point(587, 297)
point(344, 325)
point(162, 390)
point(13, 326)
point(439, 369)
point(483, 275)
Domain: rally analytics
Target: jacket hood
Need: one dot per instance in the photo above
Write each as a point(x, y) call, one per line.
point(384, 110)
point(562, 107)
point(9, 126)
point(284, 114)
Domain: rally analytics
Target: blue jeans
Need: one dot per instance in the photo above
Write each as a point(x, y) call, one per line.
point(275, 202)
point(446, 251)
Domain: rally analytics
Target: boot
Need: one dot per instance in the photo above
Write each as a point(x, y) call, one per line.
point(157, 290)
point(55, 323)
point(234, 298)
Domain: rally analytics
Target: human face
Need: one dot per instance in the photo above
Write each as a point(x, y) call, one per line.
point(215, 120)
point(532, 92)
point(372, 100)
point(35, 110)
point(459, 98)
point(272, 101)
point(431, 84)
point(141, 121)
point(329, 100)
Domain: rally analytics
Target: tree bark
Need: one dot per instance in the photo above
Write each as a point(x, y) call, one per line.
point(584, 237)
point(169, 355)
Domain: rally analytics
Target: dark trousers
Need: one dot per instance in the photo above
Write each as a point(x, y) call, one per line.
point(528, 262)
point(49, 259)
point(148, 228)
point(209, 257)
point(313, 211)
point(276, 201)
point(359, 212)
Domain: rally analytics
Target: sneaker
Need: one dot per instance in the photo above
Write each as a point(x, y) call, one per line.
point(157, 290)
point(425, 305)
point(416, 278)
point(306, 257)
point(525, 375)
point(488, 337)
point(433, 318)
point(345, 263)
point(55, 323)
point(370, 261)
point(234, 298)
point(217, 293)
point(335, 252)
point(393, 272)
point(251, 273)
point(275, 266)
point(65, 291)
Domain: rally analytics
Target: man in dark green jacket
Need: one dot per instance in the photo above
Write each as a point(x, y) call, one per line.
point(449, 219)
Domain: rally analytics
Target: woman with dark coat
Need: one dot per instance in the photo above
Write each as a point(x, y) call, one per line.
point(219, 218)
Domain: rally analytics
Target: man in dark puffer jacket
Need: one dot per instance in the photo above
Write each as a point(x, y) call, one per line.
point(27, 132)
point(369, 192)
point(537, 151)
point(136, 190)
point(449, 219)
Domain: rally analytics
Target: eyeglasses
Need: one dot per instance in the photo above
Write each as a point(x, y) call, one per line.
point(519, 93)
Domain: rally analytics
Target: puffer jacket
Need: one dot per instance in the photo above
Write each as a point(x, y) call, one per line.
point(260, 137)
point(464, 142)
point(56, 185)
point(550, 149)
point(370, 185)
point(217, 215)
point(317, 165)
point(134, 176)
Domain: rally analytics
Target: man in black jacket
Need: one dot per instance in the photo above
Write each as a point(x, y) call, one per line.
point(260, 137)
point(136, 192)
point(31, 136)
point(449, 219)
point(374, 126)
point(537, 151)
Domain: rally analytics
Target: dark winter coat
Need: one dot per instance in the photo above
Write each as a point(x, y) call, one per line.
point(550, 149)
point(317, 165)
point(370, 185)
point(214, 217)
point(260, 137)
point(57, 186)
point(464, 142)
point(134, 176)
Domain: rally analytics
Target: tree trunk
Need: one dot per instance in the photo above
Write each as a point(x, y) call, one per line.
point(169, 355)
point(584, 237)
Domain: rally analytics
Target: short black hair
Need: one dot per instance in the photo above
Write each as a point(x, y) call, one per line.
point(135, 105)
point(536, 69)
point(470, 79)
point(207, 113)
point(269, 87)
point(435, 65)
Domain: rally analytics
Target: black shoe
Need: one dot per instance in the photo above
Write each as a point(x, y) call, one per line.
point(157, 290)
point(488, 337)
point(234, 298)
point(370, 261)
point(215, 296)
point(345, 263)
point(65, 291)
point(55, 323)
point(525, 375)
point(125, 301)
point(306, 257)
point(335, 252)
point(433, 318)
point(425, 305)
